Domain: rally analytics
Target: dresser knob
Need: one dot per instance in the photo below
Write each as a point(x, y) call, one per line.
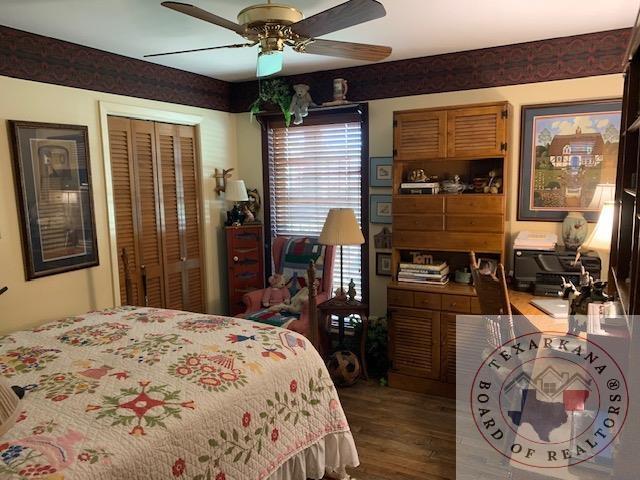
point(235, 259)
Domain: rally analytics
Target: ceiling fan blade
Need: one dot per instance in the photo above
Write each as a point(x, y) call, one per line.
point(356, 51)
point(196, 12)
point(353, 12)
point(236, 45)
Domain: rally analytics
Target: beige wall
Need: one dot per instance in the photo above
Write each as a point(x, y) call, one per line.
point(381, 141)
point(28, 304)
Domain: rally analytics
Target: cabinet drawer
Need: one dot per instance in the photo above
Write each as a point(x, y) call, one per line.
point(469, 204)
point(474, 223)
point(245, 238)
point(427, 300)
point(456, 303)
point(475, 306)
point(424, 222)
point(419, 204)
point(401, 298)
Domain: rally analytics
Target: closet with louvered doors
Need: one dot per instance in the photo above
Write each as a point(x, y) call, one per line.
point(155, 183)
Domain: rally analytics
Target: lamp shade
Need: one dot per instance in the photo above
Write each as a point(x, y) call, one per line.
point(9, 403)
point(600, 238)
point(236, 191)
point(341, 228)
point(603, 193)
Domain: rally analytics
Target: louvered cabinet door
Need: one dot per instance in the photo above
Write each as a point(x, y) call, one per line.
point(415, 339)
point(420, 135)
point(477, 131)
point(448, 347)
point(193, 275)
point(150, 261)
point(181, 232)
point(123, 181)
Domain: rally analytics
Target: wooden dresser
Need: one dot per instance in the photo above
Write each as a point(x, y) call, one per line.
point(464, 140)
point(245, 263)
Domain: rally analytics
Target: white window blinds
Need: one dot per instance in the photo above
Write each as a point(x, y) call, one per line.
point(312, 169)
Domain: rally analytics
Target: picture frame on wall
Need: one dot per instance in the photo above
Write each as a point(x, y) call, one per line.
point(381, 171)
point(383, 264)
point(55, 201)
point(380, 209)
point(568, 159)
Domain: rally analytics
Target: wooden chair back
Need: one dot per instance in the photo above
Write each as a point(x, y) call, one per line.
point(494, 302)
point(313, 307)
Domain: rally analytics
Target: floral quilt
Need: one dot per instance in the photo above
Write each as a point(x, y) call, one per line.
point(132, 393)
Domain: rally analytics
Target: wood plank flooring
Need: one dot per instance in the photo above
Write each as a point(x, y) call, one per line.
point(400, 435)
point(408, 436)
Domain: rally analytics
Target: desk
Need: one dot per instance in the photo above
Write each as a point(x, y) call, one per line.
point(532, 318)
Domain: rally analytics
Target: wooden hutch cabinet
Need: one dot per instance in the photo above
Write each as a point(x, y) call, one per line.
point(245, 263)
point(468, 141)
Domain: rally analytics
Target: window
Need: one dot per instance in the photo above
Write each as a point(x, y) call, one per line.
point(312, 168)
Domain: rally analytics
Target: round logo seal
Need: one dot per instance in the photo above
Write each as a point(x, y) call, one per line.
point(549, 400)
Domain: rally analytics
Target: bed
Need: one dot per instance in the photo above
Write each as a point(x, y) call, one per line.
point(146, 393)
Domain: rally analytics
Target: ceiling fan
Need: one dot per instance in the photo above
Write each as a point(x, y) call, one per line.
point(273, 26)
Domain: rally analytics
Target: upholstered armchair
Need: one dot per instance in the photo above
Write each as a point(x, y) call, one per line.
point(291, 257)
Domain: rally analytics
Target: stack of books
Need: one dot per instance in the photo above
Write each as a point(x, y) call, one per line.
point(420, 187)
point(436, 273)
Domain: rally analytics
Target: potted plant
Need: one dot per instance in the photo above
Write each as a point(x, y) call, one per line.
point(275, 93)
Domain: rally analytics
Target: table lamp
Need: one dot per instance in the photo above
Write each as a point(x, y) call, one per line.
point(341, 228)
point(600, 238)
point(236, 192)
point(9, 402)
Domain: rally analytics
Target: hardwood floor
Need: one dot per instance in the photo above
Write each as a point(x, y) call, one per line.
point(400, 435)
point(408, 436)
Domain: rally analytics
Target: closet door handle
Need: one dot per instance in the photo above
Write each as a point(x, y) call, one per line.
point(144, 284)
point(183, 259)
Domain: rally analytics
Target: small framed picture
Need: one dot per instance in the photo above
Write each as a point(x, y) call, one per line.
point(380, 208)
point(383, 264)
point(55, 202)
point(380, 171)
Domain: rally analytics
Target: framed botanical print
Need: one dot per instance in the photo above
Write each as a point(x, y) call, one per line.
point(55, 202)
point(568, 158)
point(380, 209)
point(380, 171)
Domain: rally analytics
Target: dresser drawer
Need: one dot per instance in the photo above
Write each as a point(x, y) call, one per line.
point(475, 306)
point(427, 300)
point(474, 223)
point(245, 238)
point(456, 303)
point(470, 204)
point(419, 204)
point(400, 298)
point(425, 221)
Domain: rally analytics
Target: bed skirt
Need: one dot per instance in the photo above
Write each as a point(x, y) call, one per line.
point(329, 455)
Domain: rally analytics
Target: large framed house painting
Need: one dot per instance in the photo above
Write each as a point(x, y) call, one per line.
point(569, 153)
point(53, 185)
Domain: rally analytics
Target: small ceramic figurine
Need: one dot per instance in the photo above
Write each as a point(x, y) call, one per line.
point(418, 176)
point(453, 186)
point(300, 103)
point(352, 290)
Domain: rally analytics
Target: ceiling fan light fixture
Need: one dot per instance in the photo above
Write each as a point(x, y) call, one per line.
point(269, 63)
point(269, 13)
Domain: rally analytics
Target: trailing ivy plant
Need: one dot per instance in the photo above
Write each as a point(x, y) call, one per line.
point(274, 91)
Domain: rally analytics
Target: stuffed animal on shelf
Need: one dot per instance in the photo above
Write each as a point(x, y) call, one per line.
point(277, 293)
point(300, 103)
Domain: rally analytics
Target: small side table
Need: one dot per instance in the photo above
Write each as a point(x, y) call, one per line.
point(343, 309)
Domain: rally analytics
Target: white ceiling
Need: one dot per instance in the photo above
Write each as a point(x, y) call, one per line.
point(414, 28)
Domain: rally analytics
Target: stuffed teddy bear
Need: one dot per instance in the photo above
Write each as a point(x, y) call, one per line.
point(277, 293)
point(297, 302)
point(300, 103)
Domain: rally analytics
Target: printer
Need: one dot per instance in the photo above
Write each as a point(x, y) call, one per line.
point(541, 271)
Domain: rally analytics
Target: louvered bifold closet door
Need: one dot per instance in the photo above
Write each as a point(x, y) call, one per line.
point(150, 261)
point(123, 179)
point(182, 257)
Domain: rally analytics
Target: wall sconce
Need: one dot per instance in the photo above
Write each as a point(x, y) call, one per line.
point(221, 179)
